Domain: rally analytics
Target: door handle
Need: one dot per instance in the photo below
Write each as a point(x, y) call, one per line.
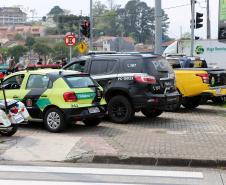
point(44, 96)
point(109, 81)
point(15, 96)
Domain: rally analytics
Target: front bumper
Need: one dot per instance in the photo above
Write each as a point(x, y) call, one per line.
point(215, 92)
point(165, 102)
point(79, 114)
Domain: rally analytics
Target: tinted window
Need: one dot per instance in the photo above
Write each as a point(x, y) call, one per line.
point(79, 82)
point(154, 65)
point(103, 66)
point(132, 66)
point(77, 66)
point(38, 81)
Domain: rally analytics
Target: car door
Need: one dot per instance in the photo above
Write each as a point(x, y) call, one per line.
point(36, 97)
point(104, 71)
point(13, 87)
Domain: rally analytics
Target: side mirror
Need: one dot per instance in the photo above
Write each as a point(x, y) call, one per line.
point(2, 76)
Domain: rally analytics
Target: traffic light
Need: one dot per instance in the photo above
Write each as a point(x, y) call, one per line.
point(85, 29)
point(44, 18)
point(197, 38)
point(199, 20)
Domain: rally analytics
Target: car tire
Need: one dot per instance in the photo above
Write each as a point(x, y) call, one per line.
point(54, 120)
point(92, 122)
point(120, 110)
point(10, 132)
point(191, 103)
point(218, 100)
point(152, 113)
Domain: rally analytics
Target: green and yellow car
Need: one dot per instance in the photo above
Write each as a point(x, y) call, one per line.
point(57, 97)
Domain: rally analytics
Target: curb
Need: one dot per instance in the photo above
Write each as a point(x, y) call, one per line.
point(155, 161)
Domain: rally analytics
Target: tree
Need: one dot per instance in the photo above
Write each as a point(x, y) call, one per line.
point(18, 37)
point(108, 24)
point(42, 49)
point(29, 42)
point(56, 10)
point(17, 52)
point(60, 50)
point(99, 8)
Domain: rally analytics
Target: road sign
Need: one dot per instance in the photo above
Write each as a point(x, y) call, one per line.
point(82, 47)
point(70, 40)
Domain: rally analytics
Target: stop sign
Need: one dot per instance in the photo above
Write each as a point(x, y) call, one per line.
point(70, 40)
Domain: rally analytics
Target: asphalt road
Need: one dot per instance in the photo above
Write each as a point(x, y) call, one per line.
point(107, 174)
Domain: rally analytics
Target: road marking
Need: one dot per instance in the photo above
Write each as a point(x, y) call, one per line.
point(17, 182)
point(102, 171)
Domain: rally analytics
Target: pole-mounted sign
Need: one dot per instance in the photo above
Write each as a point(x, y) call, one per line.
point(70, 40)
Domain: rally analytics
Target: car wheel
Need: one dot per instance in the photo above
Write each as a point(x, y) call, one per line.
point(152, 113)
point(54, 120)
point(120, 110)
point(218, 100)
point(92, 122)
point(191, 103)
point(10, 132)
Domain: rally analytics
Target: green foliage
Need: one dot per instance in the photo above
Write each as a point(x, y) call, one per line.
point(19, 37)
point(29, 42)
point(4, 52)
point(51, 31)
point(136, 19)
point(68, 23)
point(56, 10)
point(60, 50)
point(17, 52)
point(42, 49)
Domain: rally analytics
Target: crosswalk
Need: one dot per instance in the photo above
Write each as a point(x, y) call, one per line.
point(46, 175)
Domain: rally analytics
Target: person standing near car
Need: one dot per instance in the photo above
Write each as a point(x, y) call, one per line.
point(12, 65)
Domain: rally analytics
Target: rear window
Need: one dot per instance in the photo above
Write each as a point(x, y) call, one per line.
point(157, 65)
point(79, 81)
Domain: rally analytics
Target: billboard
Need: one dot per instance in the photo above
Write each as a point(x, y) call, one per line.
point(222, 20)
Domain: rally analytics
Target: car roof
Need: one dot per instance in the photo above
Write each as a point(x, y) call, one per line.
point(55, 72)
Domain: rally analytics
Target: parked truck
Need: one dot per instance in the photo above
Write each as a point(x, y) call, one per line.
point(213, 51)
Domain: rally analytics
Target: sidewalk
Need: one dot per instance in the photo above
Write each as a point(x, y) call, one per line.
point(187, 138)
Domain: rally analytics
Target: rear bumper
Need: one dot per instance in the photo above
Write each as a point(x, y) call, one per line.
point(165, 102)
point(80, 114)
point(215, 92)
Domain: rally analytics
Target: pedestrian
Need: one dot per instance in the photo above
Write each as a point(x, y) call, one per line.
point(40, 61)
point(12, 65)
point(63, 62)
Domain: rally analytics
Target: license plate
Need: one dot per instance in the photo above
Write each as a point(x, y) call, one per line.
point(218, 91)
point(18, 118)
point(93, 110)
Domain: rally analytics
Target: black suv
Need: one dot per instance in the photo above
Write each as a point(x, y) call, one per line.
point(132, 83)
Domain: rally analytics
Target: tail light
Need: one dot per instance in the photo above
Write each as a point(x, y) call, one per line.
point(14, 110)
point(205, 78)
point(145, 79)
point(70, 97)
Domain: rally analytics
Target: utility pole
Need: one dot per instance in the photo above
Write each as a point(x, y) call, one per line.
point(208, 19)
point(158, 26)
point(91, 26)
point(192, 25)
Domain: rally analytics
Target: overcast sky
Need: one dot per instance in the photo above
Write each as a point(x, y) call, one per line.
point(179, 17)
